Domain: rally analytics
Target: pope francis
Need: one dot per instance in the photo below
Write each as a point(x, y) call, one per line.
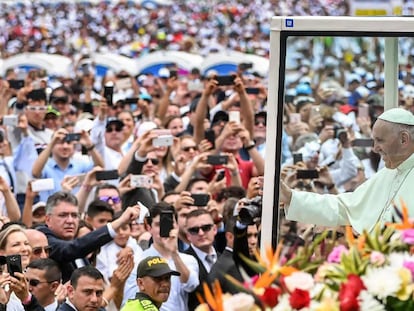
point(371, 202)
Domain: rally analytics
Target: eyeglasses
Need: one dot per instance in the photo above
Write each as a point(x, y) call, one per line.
point(186, 149)
point(116, 129)
point(154, 161)
point(37, 251)
point(67, 215)
point(204, 228)
point(257, 122)
point(34, 282)
point(114, 199)
point(36, 108)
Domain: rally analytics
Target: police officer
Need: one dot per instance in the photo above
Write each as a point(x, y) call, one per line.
point(154, 282)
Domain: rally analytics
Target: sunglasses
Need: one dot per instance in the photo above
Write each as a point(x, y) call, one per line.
point(186, 149)
point(106, 199)
point(257, 122)
point(154, 161)
point(204, 228)
point(34, 282)
point(116, 129)
point(36, 108)
point(38, 250)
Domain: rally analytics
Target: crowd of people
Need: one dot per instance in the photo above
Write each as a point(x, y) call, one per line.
point(68, 27)
point(132, 194)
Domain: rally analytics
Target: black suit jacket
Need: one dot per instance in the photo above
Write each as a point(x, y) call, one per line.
point(65, 252)
point(65, 307)
point(202, 277)
point(225, 264)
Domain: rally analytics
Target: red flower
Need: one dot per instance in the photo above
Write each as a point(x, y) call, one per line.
point(299, 299)
point(348, 293)
point(349, 303)
point(270, 296)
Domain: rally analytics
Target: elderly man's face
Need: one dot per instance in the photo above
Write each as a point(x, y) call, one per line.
point(387, 142)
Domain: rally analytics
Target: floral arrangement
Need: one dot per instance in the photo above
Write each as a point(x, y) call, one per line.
point(374, 272)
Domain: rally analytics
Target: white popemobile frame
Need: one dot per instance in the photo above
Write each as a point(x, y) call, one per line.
point(389, 28)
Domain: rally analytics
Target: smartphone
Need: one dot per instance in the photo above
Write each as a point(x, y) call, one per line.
point(16, 84)
point(166, 223)
point(131, 100)
point(363, 110)
point(140, 181)
point(211, 137)
point(163, 141)
point(194, 86)
point(200, 199)
point(108, 93)
point(123, 84)
point(220, 175)
point(14, 264)
point(173, 73)
point(294, 118)
point(10, 120)
point(217, 159)
point(307, 174)
point(315, 111)
point(245, 66)
point(80, 177)
point(107, 175)
point(44, 184)
point(297, 157)
point(225, 80)
point(252, 90)
point(234, 116)
point(363, 142)
point(72, 137)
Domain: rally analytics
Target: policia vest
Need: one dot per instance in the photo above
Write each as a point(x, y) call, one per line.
point(142, 302)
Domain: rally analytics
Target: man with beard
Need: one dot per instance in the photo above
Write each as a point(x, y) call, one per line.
point(154, 282)
point(62, 163)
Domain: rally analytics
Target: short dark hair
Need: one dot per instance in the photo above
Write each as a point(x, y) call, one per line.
point(57, 197)
point(51, 268)
point(193, 181)
point(198, 212)
point(97, 207)
point(167, 194)
point(105, 186)
point(158, 208)
point(89, 271)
